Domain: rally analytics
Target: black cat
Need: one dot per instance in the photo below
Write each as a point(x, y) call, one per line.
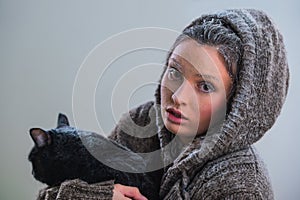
point(59, 155)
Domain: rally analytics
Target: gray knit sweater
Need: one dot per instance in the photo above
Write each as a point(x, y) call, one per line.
point(223, 164)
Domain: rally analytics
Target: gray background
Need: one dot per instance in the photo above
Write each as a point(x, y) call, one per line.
point(43, 43)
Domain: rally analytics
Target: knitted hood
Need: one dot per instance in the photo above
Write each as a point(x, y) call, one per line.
point(258, 99)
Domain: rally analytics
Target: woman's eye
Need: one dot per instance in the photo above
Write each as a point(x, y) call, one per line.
point(174, 74)
point(206, 87)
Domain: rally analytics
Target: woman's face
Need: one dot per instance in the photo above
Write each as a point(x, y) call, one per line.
point(194, 89)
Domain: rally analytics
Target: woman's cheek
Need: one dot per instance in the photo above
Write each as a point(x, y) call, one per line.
point(218, 109)
point(165, 95)
point(205, 113)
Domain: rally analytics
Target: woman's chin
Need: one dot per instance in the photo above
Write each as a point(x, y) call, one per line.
point(180, 130)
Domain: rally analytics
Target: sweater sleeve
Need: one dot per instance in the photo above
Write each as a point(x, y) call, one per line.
point(77, 189)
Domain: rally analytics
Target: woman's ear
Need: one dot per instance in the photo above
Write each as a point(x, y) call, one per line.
point(40, 137)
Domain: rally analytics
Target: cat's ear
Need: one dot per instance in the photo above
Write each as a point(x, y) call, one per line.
point(62, 120)
point(40, 137)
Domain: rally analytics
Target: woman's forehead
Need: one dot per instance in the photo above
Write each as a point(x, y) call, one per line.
point(198, 58)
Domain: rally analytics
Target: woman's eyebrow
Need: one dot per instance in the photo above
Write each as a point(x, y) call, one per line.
point(177, 64)
point(203, 76)
point(208, 77)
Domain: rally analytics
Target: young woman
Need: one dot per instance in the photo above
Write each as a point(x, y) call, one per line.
point(224, 84)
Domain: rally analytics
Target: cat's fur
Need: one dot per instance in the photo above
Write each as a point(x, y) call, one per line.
point(59, 155)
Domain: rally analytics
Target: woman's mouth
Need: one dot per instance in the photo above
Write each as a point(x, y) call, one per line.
point(175, 116)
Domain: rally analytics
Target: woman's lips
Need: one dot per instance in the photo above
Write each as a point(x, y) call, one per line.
point(175, 116)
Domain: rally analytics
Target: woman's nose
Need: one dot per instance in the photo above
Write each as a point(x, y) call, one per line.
point(183, 93)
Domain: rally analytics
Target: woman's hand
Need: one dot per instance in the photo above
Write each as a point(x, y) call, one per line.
point(122, 192)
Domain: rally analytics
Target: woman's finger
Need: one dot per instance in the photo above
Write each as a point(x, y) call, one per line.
point(128, 191)
point(119, 196)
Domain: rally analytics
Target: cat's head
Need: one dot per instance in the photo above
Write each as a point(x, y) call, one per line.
point(52, 151)
point(42, 138)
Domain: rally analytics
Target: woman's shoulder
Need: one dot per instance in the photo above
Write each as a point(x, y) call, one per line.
point(138, 117)
point(246, 157)
point(239, 172)
point(143, 113)
point(137, 129)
